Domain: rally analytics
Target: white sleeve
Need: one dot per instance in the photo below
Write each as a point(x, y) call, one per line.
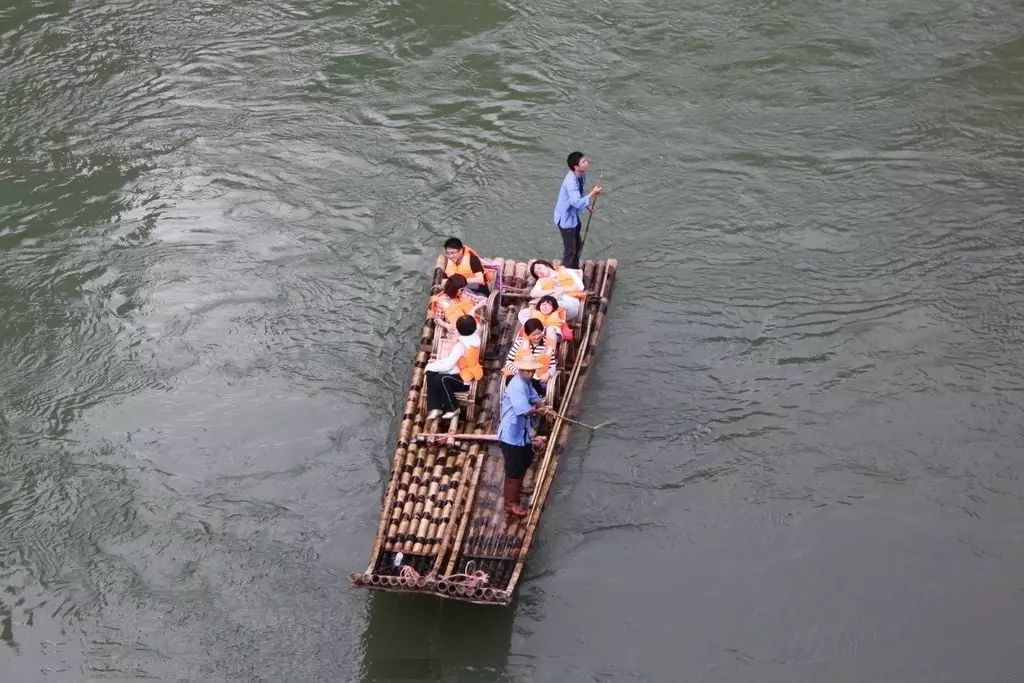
point(447, 364)
point(510, 359)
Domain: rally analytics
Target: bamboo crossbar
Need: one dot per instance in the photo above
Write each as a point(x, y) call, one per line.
point(438, 436)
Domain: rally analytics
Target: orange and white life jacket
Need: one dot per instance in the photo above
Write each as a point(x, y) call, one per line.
point(469, 364)
point(451, 309)
point(464, 269)
point(526, 351)
point(561, 278)
point(553, 319)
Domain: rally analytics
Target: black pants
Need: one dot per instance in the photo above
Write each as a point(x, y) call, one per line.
point(441, 390)
point(479, 290)
point(571, 247)
point(517, 459)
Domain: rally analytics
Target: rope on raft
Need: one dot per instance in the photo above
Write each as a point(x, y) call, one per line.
point(477, 579)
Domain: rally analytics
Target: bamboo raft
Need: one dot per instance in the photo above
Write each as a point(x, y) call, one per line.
point(443, 529)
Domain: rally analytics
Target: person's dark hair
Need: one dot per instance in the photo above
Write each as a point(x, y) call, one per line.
point(466, 325)
point(543, 263)
point(574, 160)
point(453, 284)
point(453, 243)
point(550, 299)
point(532, 325)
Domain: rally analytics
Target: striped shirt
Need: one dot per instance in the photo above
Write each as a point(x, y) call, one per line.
point(536, 349)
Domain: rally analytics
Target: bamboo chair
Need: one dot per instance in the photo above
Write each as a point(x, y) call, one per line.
point(468, 398)
point(442, 345)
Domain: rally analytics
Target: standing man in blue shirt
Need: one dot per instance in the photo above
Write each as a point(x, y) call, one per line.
point(518, 406)
point(571, 200)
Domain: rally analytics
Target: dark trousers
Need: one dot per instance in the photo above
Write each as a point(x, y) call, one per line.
point(441, 390)
point(517, 459)
point(571, 247)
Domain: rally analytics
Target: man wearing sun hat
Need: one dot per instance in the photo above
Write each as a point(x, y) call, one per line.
point(519, 404)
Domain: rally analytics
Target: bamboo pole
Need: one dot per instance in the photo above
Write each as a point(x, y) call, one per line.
point(452, 496)
point(397, 467)
point(459, 437)
point(588, 272)
point(465, 498)
point(468, 510)
point(521, 273)
point(384, 525)
point(439, 263)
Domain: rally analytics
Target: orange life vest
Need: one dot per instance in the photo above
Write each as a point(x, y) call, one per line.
point(562, 279)
point(552, 319)
point(526, 351)
point(469, 364)
point(463, 268)
point(451, 309)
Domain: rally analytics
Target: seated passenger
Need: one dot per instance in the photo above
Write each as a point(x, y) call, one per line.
point(449, 375)
point(565, 284)
point(550, 315)
point(453, 303)
point(531, 344)
point(462, 260)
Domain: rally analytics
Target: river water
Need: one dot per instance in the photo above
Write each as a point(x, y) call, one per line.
point(216, 225)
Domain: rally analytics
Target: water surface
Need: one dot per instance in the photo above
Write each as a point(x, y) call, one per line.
point(215, 229)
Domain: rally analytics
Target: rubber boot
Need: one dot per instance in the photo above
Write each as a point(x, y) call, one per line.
point(511, 496)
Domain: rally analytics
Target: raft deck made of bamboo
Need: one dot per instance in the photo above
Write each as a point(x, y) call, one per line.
point(443, 529)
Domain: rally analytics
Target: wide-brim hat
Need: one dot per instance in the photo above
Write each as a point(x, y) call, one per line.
point(530, 363)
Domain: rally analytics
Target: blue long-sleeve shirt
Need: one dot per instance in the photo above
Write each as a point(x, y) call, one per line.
point(515, 424)
point(571, 200)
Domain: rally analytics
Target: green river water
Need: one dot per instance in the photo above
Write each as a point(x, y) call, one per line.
point(216, 225)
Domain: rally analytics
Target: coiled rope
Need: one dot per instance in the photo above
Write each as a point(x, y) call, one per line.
point(477, 579)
